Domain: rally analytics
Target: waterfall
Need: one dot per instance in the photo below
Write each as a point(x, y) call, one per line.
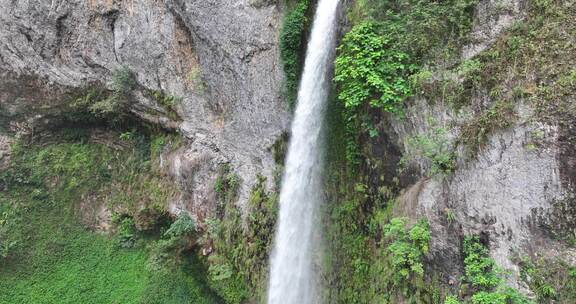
point(292, 279)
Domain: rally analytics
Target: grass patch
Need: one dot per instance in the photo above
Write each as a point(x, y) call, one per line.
point(53, 258)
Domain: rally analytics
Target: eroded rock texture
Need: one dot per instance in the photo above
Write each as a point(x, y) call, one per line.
point(516, 191)
point(220, 57)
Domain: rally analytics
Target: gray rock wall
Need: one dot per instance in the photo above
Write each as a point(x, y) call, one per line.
point(220, 57)
point(517, 191)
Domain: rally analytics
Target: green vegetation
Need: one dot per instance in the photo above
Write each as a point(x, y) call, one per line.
point(369, 74)
point(407, 247)
point(109, 105)
point(238, 266)
point(167, 102)
point(552, 280)
point(359, 262)
point(434, 147)
point(195, 79)
point(374, 257)
point(367, 70)
point(427, 31)
point(451, 300)
point(51, 193)
point(123, 80)
point(523, 65)
point(478, 266)
point(410, 47)
point(488, 287)
point(296, 22)
point(380, 60)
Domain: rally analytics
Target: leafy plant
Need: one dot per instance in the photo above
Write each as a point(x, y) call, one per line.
point(369, 74)
point(451, 300)
point(367, 70)
point(484, 297)
point(552, 280)
point(407, 247)
point(480, 272)
point(426, 30)
point(478, 266)
point(182, 226)
point(167, 251)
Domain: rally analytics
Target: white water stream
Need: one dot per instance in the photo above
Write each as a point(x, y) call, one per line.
point(292, 277)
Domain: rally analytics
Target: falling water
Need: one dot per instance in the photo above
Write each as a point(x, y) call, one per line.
point(292, 277)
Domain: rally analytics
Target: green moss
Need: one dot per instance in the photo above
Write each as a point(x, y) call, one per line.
point(433, 147)
point(296, 22)
point(239, 265)
point(167, 102)
point(476, 133)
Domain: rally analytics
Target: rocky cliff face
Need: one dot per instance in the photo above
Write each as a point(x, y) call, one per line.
point(517, 189)
point(219, 59)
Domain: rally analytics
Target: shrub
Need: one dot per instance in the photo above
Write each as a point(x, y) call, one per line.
point(407, 247)
point(426, 30)
point(484, 297)
point(123, 80)
point(369, 74)
point(480, 272)
point(99, 104)
point(126, 232)
point(167, 251)
point(182, 226)
point(368, 70)
point(478, 265)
